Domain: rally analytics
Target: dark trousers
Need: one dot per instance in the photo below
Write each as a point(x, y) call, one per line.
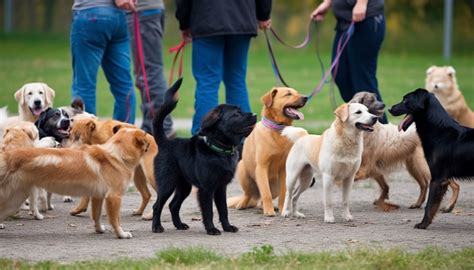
point(358, 63)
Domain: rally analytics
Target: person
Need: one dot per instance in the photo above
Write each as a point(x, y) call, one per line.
point(221, 33)
point(151, 17)
point(358, 62)
point(99, 37)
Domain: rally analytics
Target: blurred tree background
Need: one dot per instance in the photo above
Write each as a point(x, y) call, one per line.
point(412, 25)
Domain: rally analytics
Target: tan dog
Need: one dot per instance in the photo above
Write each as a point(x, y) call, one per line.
point(335, 156)
point(99, 171)
point(87, 130)
point(442, 82)
point(386, 148)
point(261, 172)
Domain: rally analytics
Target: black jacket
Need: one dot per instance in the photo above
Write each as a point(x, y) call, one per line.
point(222, 17)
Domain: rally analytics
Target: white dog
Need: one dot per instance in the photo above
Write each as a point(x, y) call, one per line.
point(33, 98)
point(335, 156)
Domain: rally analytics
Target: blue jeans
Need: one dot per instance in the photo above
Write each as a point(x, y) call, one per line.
point(358, 63)
point(216, 59)
point(99, 37)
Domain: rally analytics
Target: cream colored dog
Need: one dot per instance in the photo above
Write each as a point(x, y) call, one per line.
point(335, 156)
point(100, 171)
point(442, 82)
point(33, 98)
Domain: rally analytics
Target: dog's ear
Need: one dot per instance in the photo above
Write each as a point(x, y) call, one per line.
point(32, 133)
point(430, 70)
point(141, 141)
point(342, 112)
point(209, 120)
point(451, 71)
point(49, 94)
point(42, 118)
point(78, 104)
point(5, 132)
point(20, 95)
point(116, 128)
point(267, 99)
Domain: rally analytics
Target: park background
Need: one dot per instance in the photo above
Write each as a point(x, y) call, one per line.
point(37, 49)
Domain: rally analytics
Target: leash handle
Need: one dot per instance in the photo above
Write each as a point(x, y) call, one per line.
point(276, 70)
point(305, 42)
point(140, 60)
point(179, 52)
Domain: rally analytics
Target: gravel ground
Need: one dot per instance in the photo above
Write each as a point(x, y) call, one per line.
point(65, 238)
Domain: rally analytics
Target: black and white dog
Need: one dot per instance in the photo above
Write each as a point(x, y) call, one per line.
point(54, 123)
point(448, 146)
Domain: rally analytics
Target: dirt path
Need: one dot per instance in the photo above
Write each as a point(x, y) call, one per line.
point(65, 238)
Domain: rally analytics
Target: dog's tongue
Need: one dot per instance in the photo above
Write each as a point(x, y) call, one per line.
point(37, 112)
point(405, 122)
point(296, 112)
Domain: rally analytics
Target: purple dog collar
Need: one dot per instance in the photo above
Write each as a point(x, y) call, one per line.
point(272, 125)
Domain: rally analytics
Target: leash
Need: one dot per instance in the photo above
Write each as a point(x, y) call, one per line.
point(140, 61)
point(179, 51)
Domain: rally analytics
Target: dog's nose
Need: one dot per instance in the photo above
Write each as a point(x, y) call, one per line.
point(304, 99)
point(436, 86)
point(374, 119)
point(38, 102)
point(65, 123)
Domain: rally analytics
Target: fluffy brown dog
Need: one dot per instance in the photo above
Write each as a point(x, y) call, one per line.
point(261, 171)
point(99, 171)
point(385, 148)
point(442, 82)
point(90, 131)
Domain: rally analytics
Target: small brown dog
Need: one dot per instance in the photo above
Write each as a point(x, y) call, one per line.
point(442, 82)
point(99, 171)
point(87, 130)
point(261, 171)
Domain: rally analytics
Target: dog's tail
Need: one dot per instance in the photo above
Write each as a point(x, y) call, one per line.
point(294, 133)
point(3, 115)
point(171, 99)
point(234, 201)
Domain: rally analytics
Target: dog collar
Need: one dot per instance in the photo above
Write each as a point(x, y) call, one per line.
point(272, 125)
point(228, 151)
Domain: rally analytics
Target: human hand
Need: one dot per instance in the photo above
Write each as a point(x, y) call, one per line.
point(126, 4)
point(359, 10)
point(318, 14)
point(265, 24)
point(186, 35)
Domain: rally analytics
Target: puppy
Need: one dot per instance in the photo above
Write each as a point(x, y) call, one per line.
point(335, 156)
point(442, 82)
point(54, 123)
point(33, 98)
point(261, 172)
point(100, 171)
point(386, 148)
point(206, 162)
point(87, 130)
point(447, 145)
point(76, 108)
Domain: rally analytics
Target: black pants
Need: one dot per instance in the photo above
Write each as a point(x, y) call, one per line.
point(358, 63)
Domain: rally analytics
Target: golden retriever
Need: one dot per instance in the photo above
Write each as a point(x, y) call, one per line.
point(99, 171)
point(261, 172)
point(442, 82)
point(88, 130)
point(334, 156)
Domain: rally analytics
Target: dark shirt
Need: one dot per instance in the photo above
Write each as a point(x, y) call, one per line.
point(222, 17)
point(343, 10)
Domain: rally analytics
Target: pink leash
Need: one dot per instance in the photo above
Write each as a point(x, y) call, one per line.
point(178, 50)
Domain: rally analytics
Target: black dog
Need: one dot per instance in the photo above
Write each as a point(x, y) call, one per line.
point(448, 146)
point(54, 123)
point(208, 162)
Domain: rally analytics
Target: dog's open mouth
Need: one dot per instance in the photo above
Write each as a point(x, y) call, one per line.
point(293, 113)
point(406, 122)
point(365, 127)
point(65, 132)
point(246, 129)
point(36, 111)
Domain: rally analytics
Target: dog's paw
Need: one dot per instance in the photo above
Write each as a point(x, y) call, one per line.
point(447, 209)
point(213, 231)
point(270, 213)
point(158, 229)
point(182, 226)
point(67, 199)
point(230, 228)
point(329, 219)
point(299, 215)
point(100, 229)
point(421, 225)
point(50, 207)
point(77, 211)
point(286, 214)
point(347, 217)
point(137, 212)
point(2, 226)
point(414, 206)
point(38, 216)
point(147, 216)
point(25, 205)
point(124, 235)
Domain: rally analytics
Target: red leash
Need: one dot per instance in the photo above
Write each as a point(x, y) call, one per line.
point(178, 50)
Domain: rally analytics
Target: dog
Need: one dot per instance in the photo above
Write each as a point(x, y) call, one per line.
point(441, 81)
point(261, 172)
point(386, 148)
point(54, 123)
point(207, 162)
point(76, 108)
point(447, 145)
point(90, 131)
point(100, 171)
point(335, 156)
point(33, 98)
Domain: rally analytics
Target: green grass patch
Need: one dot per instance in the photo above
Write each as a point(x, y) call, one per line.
point(264, 257)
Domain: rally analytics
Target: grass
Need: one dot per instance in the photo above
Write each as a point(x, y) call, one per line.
point(28, 58)
point(264, 258)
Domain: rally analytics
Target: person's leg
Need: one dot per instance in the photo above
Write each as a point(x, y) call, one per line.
point(364, 49)
point(341, 72)
point(207, 64)
point(151, 28)
point(235, 70)
point(116, 66)
point(88, 41)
